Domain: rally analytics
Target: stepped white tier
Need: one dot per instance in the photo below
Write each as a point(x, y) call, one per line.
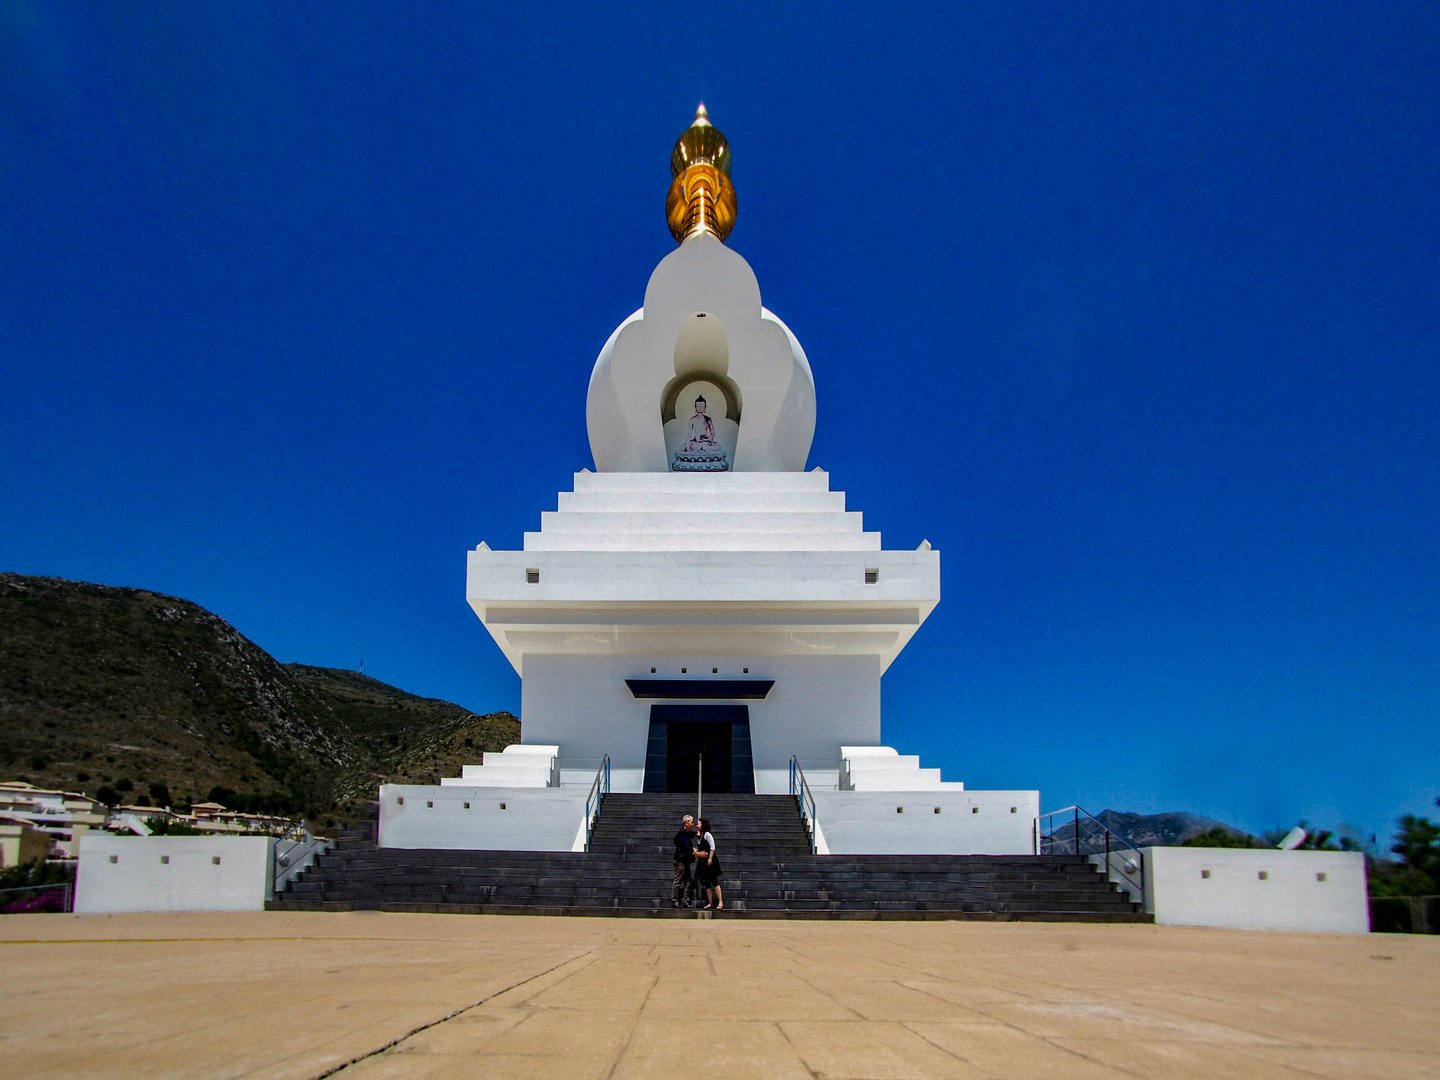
point(750, 577)
point(517, 766)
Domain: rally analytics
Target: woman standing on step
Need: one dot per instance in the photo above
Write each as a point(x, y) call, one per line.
point(707, 867)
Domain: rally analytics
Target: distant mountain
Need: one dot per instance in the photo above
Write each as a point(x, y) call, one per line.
point(1147, 830)
point(157, 700)
point(1161, 830)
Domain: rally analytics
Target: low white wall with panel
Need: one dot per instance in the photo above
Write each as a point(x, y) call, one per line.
point(907, 822)
point(174, 873)
point(1254, 889)
point(494, 819)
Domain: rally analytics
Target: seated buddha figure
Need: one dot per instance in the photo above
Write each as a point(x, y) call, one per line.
point(700, 452)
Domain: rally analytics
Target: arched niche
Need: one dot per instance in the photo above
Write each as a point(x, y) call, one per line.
point(671, 405)
point(702, 346)
point(700, 426)
point(701, 437)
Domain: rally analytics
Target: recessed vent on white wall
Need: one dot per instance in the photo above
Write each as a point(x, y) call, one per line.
point(532, 577)
point(872, 576)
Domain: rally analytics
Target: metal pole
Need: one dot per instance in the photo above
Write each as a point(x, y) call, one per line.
point(699, 784)
point(1077, 832)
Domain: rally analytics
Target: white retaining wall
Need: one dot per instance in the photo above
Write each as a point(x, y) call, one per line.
point(1254, 889)
point(906, 822)
point(469, 818)
point(174, 873)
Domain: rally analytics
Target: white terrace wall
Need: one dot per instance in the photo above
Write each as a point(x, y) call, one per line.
point(174, 873)
point(907, 822)
point(490, 818)
point(1244, 889)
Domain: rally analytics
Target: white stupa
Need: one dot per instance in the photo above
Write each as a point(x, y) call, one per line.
point(699, 594)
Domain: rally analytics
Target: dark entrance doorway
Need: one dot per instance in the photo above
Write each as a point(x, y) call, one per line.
point(681, 734)
point(706, 744)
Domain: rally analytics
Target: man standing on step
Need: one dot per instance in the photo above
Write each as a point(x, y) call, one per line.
point(682, 892)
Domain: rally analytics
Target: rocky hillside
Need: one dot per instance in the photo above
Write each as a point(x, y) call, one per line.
point(1161, 830)
point(157, 700)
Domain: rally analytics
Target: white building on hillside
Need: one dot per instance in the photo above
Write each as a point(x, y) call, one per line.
point(64, 816)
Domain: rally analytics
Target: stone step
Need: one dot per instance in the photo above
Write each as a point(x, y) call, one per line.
point(730, 912)
point(769, 872)
point(605, 899)
point(976, 899)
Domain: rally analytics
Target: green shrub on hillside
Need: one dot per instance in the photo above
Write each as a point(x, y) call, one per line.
point(1221, 838)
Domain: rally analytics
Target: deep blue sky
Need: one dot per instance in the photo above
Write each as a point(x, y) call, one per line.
point(1132, 310)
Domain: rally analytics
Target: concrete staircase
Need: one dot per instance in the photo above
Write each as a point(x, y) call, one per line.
point(768, 873)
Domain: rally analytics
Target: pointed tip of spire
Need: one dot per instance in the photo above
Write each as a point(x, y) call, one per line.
point(701, 197)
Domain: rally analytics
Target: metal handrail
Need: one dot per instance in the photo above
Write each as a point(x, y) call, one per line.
point(805, 800)
point(599, 788)
point(1109, 844)
point(295, 853)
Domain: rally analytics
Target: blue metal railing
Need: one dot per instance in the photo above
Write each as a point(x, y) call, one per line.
point(599, 788)
point(804, 799)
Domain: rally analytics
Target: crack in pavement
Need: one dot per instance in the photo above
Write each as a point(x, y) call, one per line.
point(451, 1016)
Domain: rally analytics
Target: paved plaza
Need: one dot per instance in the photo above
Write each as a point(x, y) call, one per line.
point(366, 995)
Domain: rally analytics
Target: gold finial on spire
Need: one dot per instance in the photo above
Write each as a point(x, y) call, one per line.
point(702, 199)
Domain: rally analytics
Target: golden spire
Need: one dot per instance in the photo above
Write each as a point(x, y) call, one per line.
point(702, 199)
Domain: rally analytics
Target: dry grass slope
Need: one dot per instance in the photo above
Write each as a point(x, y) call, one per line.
point(158, 699)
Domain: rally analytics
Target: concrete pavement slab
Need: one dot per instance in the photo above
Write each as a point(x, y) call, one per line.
point(363, 994)
point(710, 1045)
point(995, 1050)
point(1177, 1060)
point(881, 1049)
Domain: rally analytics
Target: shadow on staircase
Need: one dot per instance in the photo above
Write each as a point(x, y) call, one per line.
point(769, 873)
